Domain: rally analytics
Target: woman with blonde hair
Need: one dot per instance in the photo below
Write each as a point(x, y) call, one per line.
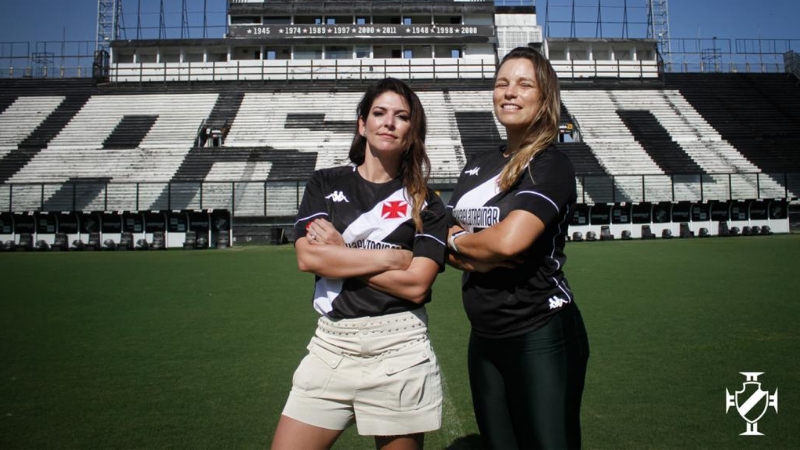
point(510, 213)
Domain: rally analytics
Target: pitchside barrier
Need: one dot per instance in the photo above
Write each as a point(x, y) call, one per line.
point(682, 219)
point(159, 215)
point(192, 229)
point(115, 230)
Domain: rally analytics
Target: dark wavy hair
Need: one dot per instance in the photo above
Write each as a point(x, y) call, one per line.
point(415, 164)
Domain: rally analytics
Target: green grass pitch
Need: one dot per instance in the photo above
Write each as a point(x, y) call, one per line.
point(196, 349)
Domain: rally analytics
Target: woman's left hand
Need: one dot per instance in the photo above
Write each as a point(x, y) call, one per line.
point(320, 232)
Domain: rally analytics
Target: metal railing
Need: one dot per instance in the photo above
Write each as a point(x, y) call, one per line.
point(74, 59)
point(281, 198)
point(302, 70)
point(47, 59)
point(606, 69)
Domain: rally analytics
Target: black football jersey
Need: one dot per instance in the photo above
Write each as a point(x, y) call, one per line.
point(509, 302)
point(369, 216)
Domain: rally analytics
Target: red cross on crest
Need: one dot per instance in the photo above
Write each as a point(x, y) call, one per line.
point(397, 209)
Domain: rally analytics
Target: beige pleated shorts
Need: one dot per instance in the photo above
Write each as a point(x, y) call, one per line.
point(380, 372)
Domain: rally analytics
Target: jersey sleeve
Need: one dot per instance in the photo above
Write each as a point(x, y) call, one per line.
point(430, 243)
point(547, 187)
point(450, 220)
point(313, 205)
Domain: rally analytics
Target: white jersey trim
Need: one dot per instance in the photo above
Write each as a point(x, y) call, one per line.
point(310, 217)
point(419, 235)
point(541, 195)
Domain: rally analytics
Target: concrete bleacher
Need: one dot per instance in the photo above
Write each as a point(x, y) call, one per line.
point(328, 131)
point(759, 116)
point(479, 129)
point(601, 116)
point(118, 149)
point(218, 123)
point(179, 116)
point(592, 181)
point(78, 150)
point(22, 116)
point(26, 124)
point(605, 133)
point(124, 138)
point(443, 140)
point(264, 120)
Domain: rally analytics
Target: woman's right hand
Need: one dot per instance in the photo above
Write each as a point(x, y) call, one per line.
point(320, 231)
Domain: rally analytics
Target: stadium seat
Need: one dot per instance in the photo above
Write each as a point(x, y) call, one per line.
point(686, 232)
point(77, 244)
point(704, 232)
point(605, 233)
point(723, 229)
point(201, 242)
point(666, 233)
point(60, 242)
point(647, 233)
point(577, 236)
point(745, 231)
point(142, 244)
point(190, 243)
point(765, 230)
point(94, 241)
point(626, 235)
point(42, 246)
point(109, 244)
point(734, 231)
point(125, 241)
point(591, 236)
point(25, 242)
point(158, 241)
point(223, 241)
point(755, 230)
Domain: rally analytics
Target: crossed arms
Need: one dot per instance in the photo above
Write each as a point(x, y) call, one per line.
point(393, 271)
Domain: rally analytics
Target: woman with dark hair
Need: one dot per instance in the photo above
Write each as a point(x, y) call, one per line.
point(510, 210)
point(373, 235)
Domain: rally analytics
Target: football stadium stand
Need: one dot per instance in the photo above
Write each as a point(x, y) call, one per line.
point(195, 143)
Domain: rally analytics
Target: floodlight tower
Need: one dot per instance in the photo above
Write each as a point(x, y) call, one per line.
point(184, 21)
point(109, 14)
point(658, 27)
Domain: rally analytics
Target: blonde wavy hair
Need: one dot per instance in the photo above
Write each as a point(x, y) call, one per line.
point(543, 130)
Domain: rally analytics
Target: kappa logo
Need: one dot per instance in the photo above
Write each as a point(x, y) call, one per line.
point(396, 209)
point(338, 196)
point(557, 302)
point(751, 402)
point(473, 171)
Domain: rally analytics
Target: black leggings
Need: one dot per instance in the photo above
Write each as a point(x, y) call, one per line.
point(527, 390)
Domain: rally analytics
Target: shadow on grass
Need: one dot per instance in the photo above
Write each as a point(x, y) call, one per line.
point(468, 442)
